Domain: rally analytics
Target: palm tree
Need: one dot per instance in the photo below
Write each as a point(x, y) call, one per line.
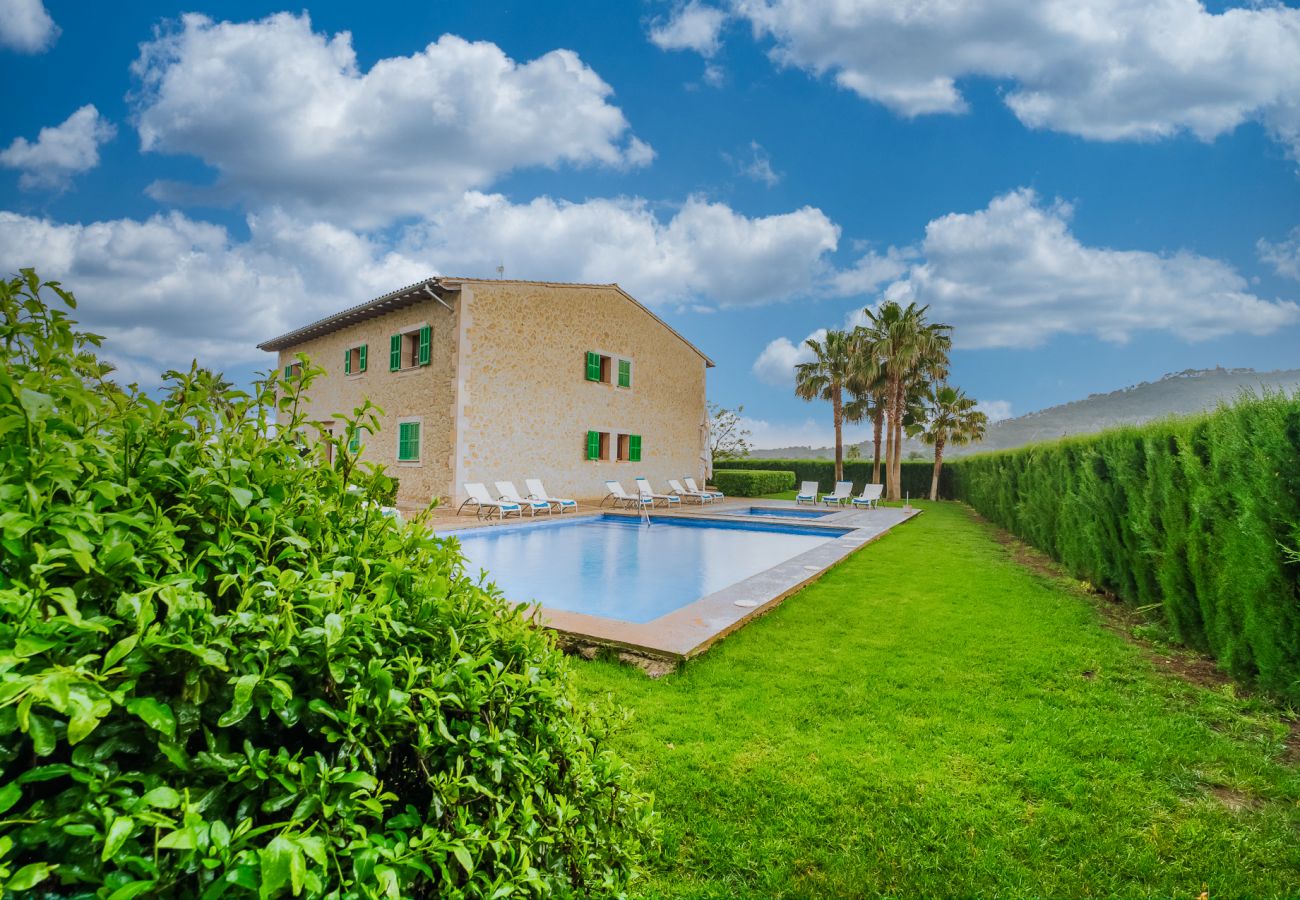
point(824, 378)
point(911, 351)
point(953, 420)
point(866, 387)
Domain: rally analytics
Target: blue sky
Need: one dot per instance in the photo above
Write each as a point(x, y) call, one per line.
point(1095, 193)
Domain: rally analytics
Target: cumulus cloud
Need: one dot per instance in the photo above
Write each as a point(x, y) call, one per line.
point(869, 272)
point(1013, 275)
point(1284, 256)
point(25, 26)
point(691, 26)
point(1101, 69)
point(170, 289)
point(287, 118)
point(59, 152)
point(776, 364)
point(705, 252)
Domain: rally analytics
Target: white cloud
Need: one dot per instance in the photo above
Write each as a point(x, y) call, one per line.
point(1013, 275)
point(810, 432)
point(996, 410)
point(1284, 256)
point(869, 273)
point(757, 166)
point(287, 118)
point(59, 152)
point(1101, 69)
point(25, 26)
point(776, 364)
point(704, 252)
point(691, 26)
point(171, 289)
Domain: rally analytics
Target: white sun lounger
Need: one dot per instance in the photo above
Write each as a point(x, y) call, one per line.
point(870, 496)
point(843, 491)
point(510, 494)
point(807, 493)
point(622, 497)
point(537, 492)
point(690, 486)
point(643, 487)
point(482, 500)
point(700, 497)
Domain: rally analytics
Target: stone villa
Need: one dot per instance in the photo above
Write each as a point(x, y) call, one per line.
point(484, 380)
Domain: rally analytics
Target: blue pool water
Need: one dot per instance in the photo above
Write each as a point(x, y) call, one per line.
point(618, 568)
point(782, 512)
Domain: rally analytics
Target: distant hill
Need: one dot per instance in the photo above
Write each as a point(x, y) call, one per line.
point(1179, 393)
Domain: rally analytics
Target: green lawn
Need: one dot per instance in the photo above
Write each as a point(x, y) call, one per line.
point(932, 718)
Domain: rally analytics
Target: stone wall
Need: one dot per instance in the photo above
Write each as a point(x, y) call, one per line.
point(427, 392)
point(524, 405)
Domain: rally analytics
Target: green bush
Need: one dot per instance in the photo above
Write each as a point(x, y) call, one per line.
point(222, 674)
point(916, 475)
point(1191, 516)
point(751, 482)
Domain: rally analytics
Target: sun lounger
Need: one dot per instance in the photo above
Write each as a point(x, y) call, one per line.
point(807, 493)
point(869, 497)
point(537, 492)
point(842, 493)
point(623, 498)
point(510, 494)
point(700, 497)
point(690, 486)
point(644, 489)
point(482, 501)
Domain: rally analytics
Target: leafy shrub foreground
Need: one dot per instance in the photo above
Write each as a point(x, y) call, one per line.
point(1194, 516)
point(751, 482)
point(223, 674)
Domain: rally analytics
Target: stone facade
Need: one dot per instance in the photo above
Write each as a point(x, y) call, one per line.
point(506, 397)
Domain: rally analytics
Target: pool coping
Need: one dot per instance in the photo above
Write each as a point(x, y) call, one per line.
point(690, 630)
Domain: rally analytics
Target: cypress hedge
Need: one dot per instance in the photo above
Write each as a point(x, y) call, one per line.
point(1198, 517)
point(916, 473)
point(752, 482)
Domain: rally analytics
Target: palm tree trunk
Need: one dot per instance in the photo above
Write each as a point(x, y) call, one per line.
point(896, 464)
point(938, 465)
point(837, 404)
point(877, 425)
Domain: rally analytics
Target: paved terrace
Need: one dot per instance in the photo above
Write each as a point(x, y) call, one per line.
point(692, 629)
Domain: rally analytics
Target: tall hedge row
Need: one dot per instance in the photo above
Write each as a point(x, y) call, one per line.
point(1194, 516)
point(916, 473)
point(751, 482)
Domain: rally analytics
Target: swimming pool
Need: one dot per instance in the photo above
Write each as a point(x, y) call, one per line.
point(617, 568)
point(782, 512)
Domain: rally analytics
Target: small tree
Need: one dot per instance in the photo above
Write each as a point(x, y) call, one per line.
point(825, 378)
point(953, 420)
point(728, 438)
point(854, 452)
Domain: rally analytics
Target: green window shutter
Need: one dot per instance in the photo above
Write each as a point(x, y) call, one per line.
point(394, 353)
point(593, 445)
point(593, 366)
point(363, 357)
point(288, 372)
point(426, 339)
point(347, 362)
point(625, 373)
point(634, 447)
point(408, 441)
point(354, 440)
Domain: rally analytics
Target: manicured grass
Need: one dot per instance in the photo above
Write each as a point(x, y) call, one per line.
point(933, 718)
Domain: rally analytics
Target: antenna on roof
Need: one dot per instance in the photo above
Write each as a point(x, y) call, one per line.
point(501, 270)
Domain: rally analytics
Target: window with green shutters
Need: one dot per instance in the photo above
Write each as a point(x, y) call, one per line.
point(408, 442)
point(634, 448)
point(361, 354)
point(426, 342)
point(593, 445)
point(625, 373)
point(593, 366)
point(288, 372)
point(354, 360)
point(394, 353)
